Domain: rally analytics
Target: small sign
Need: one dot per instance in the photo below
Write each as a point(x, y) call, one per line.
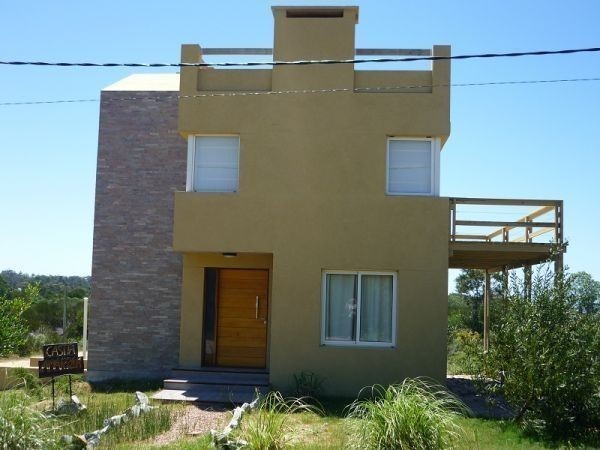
point(60, 359)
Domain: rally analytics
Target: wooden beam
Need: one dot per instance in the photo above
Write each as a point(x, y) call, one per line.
point(503, 201)
point(480, 237)
point(498, 232)
point(527, 219)
point(534, 234)
point(500, 247)
point(499, 223)
point(540, 212)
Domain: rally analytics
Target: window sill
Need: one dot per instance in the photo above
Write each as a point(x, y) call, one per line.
point(411, 194)
point(212, 192)
point(362, 345)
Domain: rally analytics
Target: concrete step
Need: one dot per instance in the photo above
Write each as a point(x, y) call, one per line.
point(228, 386)
point(218, 377)
point(210, 393)
point(187, 384)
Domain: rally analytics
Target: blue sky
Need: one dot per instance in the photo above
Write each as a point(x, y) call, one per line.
point(522, 141)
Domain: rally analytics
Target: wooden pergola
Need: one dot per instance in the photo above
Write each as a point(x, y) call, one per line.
point(504, 245)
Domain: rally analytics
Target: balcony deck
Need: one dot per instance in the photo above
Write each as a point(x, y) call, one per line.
point(534, 233)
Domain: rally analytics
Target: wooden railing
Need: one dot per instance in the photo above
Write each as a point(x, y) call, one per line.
point(551, 211)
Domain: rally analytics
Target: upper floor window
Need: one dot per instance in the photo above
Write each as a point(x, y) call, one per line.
point(213, 163)
point(413, 166)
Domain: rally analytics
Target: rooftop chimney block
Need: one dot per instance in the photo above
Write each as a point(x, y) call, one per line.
point(314, 33)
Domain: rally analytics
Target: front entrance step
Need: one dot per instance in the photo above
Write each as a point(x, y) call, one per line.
point(211, 393)
point(214, 386)
point(183, 379)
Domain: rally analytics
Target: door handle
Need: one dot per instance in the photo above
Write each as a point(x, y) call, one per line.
point(257, 304)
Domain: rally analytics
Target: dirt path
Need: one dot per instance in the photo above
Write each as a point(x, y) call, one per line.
point(193, 421)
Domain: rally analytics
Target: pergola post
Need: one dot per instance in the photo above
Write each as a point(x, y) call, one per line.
point(558, 262)
point(527, 279)
point(486, 311)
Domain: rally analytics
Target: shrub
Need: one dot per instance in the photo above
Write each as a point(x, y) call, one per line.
point(411, 415)
point(545, 352)
point(13, 327)
point(308, 384)
point(35, 340)
point(465, 353)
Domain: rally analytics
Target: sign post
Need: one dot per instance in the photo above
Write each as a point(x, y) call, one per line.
point(60, 359)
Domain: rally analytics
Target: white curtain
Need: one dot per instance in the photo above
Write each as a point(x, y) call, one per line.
point(341, 307)
point(376, 308)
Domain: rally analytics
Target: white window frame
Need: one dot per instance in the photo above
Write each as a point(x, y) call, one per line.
point(191, 153)
point(434, 185)
point(357, 342)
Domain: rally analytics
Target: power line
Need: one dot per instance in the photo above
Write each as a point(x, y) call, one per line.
point(387, 89)
point(306, 62)
point(47, 102)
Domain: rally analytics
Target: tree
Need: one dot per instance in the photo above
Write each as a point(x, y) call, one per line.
point(4, 287)
point(459, 312)
point(545, 352)
point(13, 326)
point(587, 291)
point(470, 283)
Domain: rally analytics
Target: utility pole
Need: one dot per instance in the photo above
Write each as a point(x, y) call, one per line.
point(85, 319)
point(65, 311)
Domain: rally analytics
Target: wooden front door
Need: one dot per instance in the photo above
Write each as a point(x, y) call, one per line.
point(242, 311)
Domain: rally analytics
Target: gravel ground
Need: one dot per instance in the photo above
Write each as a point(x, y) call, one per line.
point(495, 407)
point(193, 420)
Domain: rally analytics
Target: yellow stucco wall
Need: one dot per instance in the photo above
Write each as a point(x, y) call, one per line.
point(312, 194)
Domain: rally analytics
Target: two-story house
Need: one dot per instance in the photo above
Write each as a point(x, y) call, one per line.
point(269, 221)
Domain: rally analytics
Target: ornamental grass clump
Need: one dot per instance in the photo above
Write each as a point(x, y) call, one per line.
point(21, 427)
point(266, 428)
point(412, 415)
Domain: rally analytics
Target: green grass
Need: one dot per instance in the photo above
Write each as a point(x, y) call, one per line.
point(311, 431)
point(199, 443)
point(494, 435)
point(302, 429)
point(36, 398)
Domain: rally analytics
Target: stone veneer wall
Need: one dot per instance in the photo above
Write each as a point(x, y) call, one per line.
point(136, 277)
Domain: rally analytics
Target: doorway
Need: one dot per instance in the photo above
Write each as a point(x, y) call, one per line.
point(235, 318)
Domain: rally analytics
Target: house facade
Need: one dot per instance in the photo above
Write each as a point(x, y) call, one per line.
point(275, 220)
